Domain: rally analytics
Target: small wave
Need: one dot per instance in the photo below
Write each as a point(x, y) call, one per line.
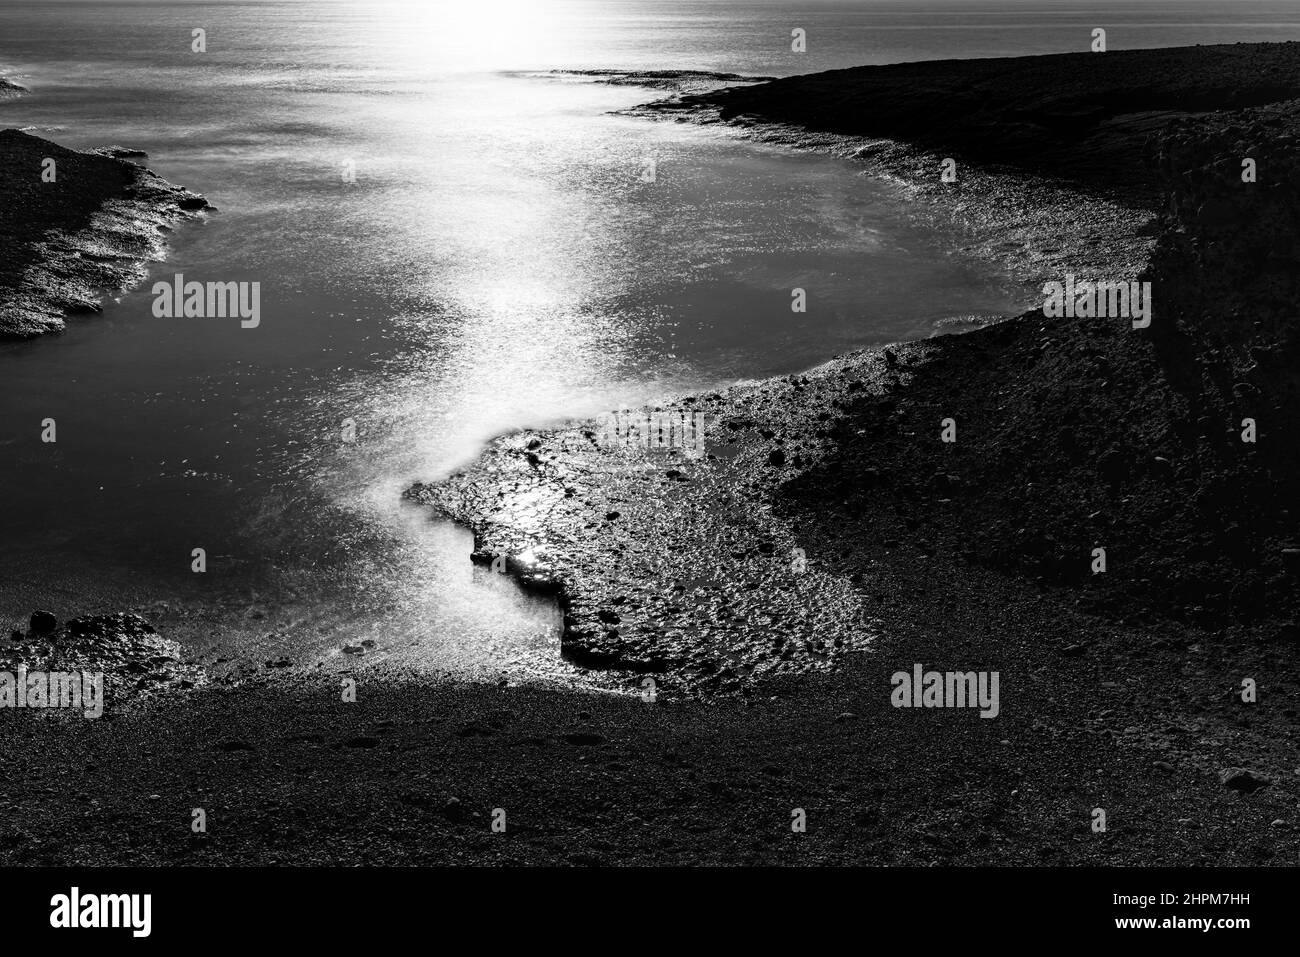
point(964, 323)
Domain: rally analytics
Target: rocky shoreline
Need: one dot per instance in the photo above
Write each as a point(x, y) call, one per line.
point(827, 539)
point(90, 228)
point(1076, 433)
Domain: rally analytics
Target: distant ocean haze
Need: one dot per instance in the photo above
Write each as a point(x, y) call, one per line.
point(447, 245)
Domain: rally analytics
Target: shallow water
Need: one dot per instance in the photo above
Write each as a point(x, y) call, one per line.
point(498, 263)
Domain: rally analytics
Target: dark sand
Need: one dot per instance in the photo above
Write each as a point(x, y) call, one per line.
point(1119, 691)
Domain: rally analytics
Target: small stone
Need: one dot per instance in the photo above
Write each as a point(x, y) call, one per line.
point(43, 622)
point(1242, 780)
point(1162, 765)
point(776, 458)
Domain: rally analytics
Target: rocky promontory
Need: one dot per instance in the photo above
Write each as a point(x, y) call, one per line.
point(72, 225)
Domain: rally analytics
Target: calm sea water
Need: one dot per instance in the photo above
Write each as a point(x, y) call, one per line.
point(496, 264)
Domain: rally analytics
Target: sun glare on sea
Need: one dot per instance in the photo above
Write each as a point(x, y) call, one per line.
point(471, 34)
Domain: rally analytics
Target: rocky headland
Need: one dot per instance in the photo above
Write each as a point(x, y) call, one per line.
point(73, 225)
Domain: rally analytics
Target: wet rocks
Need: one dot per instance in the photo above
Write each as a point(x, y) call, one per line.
point(120, 152)
point(134, 659)
point(691, 583)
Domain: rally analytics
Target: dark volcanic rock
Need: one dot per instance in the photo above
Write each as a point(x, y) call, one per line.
point(63, 243)
point(1084, 116)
